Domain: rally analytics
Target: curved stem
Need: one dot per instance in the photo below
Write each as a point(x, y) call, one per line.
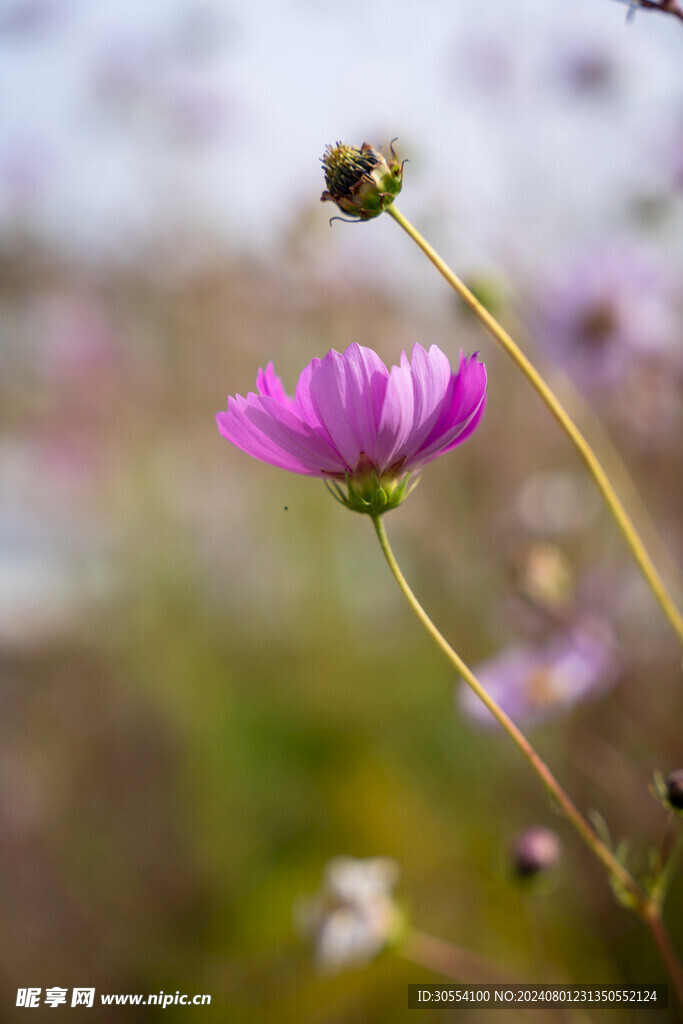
point(644, 906)
point(618, 511)
point(583, 827)
point(653, 920)
point(460, 965)
point(607, 453)
point(452, 961)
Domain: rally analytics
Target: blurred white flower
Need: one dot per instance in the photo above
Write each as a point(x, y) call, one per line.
point(353, 916)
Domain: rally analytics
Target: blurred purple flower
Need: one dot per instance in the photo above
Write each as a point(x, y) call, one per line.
point(196, 112)
point(670, 149)
point(485, 62)
point(78, 342)
point(533, 683)
point(125, 68)
point(585, 66)
point(26, 19)
point(25, 167)
point(351, 416)
point(605, 311)
point(148, 81)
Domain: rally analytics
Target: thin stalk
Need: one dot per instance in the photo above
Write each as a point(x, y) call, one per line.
point(607, 453)
point(452, 961)
point(583, 827)
point(462, 965)
point(644, 906)
point(584, 449)
point(653, 920)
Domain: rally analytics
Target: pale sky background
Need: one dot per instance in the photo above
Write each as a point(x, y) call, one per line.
point(118, 119)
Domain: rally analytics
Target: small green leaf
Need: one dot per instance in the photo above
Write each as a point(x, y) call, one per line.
point(600, 825)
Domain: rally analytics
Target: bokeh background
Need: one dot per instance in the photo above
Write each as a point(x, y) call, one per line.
point(209, 684)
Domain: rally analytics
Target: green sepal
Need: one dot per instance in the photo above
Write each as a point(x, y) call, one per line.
point(623, 896)
point(601, 828)
point(621, 851)
point(659, 791)
point(371, 495)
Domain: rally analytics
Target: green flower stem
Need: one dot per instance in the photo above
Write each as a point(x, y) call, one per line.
point(607, 453)
point(582, 826)
point(653, 919)
point(648, 909)
point(618, 511)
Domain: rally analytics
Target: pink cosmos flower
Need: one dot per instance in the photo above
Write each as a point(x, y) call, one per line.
point(353, 419)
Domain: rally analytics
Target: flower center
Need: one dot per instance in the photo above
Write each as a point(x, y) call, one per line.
point(344, 166)
point(596, 324)
point(539, 688)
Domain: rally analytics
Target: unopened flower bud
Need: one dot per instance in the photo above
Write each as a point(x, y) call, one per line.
point(674, 789)
point(362, 182)
point(537, 849)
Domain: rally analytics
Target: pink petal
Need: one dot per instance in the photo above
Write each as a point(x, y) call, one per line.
point(396, 418)
point(268, 383)
point(461, 410)
point(341, 393)
point(350, 405)
point(456, 436)
point(269, 431)
point(431, 374)
point(239, 431)
point(285, 429)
